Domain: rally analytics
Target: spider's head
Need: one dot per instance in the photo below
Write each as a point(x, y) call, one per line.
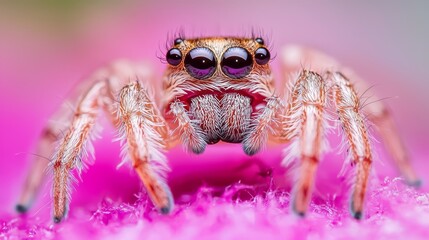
point(217, 65)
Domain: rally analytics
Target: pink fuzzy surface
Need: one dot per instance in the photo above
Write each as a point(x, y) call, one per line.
point(393, 212)
point(221, 194)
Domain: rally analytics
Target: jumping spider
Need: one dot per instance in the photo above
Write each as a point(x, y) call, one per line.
point(217, 89)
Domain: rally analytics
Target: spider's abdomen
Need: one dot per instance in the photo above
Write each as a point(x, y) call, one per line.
point(223, 117)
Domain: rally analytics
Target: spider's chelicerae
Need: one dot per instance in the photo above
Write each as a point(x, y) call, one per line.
point(218, 90)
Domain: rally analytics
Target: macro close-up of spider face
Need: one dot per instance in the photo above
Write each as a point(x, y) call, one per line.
point(220, 82)
point(202, 120)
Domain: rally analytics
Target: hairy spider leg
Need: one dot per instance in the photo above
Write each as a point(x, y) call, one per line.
point(146, 133)
point(356, 132)
point(69, 154)
point(304, 125)
point(293, 60)
point(95, 93)
point(53, 132)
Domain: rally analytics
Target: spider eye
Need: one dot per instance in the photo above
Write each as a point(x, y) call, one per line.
point(262, 56)
point(178, 41)
point(174, 57)
point(259, 40)
point(236, 62)
point(200, 63)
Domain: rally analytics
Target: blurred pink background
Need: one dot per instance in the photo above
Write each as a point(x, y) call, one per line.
point(47, 49)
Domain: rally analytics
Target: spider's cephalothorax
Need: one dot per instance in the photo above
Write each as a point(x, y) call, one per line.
point(216, 89)
point(219, 84)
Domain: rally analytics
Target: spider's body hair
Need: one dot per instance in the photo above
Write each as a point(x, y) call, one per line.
point(181, 85)
point(211, 119)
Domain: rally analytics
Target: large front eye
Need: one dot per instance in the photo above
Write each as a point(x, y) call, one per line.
point(236, 62)
point(200, 63)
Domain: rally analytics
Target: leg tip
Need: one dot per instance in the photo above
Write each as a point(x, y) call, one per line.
point(249, 150)
point(21, 208)
point(198, 149)
point(300, 214)
point(165, 210)
point(414, 183)
point(57, 219)
point(167, 207)
point(356, 210)
point(357, 215)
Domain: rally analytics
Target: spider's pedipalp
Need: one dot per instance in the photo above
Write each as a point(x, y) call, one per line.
point(206, 109)
point(304, 125)
point(145, 131)
point(356, 133)
point(256, 134)
point(236, 111)
point(189, 130)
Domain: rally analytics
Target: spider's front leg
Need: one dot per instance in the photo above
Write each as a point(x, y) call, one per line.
point(68, 155)
point(304, 123)
point(146, 133)
point(356, 132)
